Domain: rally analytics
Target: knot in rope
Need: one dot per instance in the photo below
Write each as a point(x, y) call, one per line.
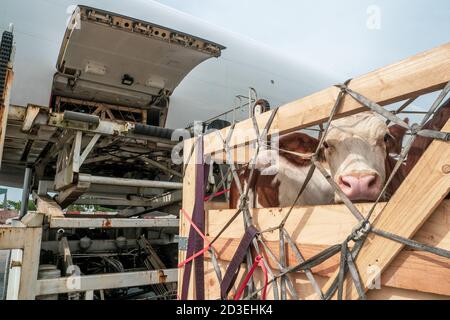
point(360, 230)
point(343, 86)
point(243, 202)
point(415, 129)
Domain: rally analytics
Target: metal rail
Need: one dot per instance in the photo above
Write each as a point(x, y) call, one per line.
point(104, 281)
point(129, 182)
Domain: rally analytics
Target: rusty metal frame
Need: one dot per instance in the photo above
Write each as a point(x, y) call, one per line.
point(25, 236)
point(4, 109)
point(105, 281)
point(105, 223)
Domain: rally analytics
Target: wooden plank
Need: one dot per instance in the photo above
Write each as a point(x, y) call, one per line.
point(315, 228)
point(420, 74)
point(33, 219)
point(320, 225)
point(108, 223)
point(105, 281)
point(64, 250)
point(30, 115)
point(419, 271)
point(30, 263)
point(305, 290)
point(188, 206)
point(12, 238)
point(69, 270)
point(402, 294)
point(410, 270)
point(436, 230)
point(216, 205)
point(412, 204)
point(48, 206)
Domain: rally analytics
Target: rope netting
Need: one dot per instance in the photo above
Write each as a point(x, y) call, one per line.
point(349, 249)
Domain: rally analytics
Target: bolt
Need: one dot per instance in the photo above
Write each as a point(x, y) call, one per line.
point(446, 168)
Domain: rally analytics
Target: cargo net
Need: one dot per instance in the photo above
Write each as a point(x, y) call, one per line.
point(253, 240)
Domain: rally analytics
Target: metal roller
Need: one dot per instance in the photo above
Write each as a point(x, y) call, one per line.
point(81, 117)
point(130, 182)
point(153, 131)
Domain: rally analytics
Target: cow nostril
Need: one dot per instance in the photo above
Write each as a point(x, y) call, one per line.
point(372, 182)
point(344, 183)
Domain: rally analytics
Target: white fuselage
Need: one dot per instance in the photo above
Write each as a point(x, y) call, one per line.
point(210, 89)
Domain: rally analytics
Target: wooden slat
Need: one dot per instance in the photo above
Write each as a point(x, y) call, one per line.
point(320, 225)
point(109, 223)
point(419, 271)
point(410, 270)
point(305, 290)
point(48, 207)
point(30, 263)
point(423, 73)
point(188, 206)
point(325, 225)
point(30, 115)
point(412, 204)
point(12, 238)
point(104, 281)
point(315, 228)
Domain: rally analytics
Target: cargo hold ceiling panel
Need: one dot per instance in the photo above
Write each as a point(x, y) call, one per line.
point(111, 58)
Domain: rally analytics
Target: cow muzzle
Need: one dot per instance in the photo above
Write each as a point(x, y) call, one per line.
point(360, 187)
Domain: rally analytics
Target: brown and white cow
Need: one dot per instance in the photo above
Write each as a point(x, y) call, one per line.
point(356, 153)
point(421, 144)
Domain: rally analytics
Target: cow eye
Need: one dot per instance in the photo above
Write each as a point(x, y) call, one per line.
point(326, 145)
point(387, 137)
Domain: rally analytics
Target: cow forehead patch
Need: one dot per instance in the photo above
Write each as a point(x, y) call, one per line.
point(366, 125)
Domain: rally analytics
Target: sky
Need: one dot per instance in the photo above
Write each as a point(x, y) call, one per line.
point(348, 38)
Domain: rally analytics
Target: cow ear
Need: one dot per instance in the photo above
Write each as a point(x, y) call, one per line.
point(398, 132)
point(298, 142)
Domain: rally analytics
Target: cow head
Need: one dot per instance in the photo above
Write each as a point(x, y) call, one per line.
point(356, 148)
point(356, 151)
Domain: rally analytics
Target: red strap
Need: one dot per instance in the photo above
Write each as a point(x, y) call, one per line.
point(201, 252)
point(216, 194)
point(258, 262)
point(266, 279)
point(181, 264)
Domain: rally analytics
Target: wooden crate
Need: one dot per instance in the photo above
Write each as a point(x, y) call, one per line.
point(416, 211)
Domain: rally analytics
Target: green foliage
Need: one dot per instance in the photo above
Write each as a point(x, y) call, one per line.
point(31, 206)
point(77, 207)
point(85, 208)
point(15, 205)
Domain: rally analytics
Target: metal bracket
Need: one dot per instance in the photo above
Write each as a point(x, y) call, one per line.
point(444, 136)
point(182, 243)
point(360, 230)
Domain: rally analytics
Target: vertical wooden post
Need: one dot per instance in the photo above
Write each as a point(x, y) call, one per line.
point(30, 263)
point(188, 206)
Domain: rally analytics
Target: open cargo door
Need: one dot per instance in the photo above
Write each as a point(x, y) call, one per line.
point(106, 57)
